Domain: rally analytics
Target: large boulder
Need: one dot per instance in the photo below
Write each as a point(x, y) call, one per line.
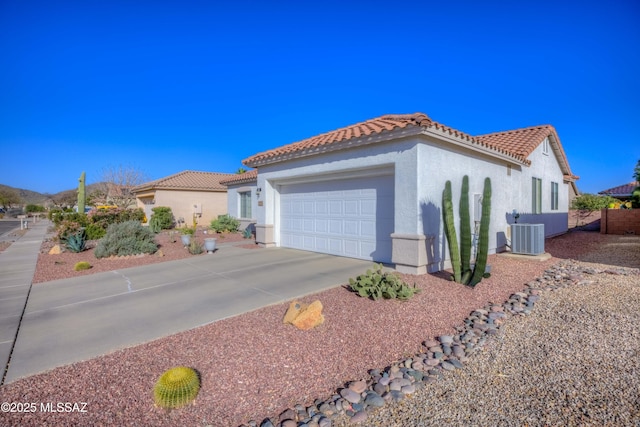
point(304, 316)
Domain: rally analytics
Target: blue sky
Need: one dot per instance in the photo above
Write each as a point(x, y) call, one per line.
point(166, 86)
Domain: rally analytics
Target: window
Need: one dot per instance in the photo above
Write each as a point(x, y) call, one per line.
point(536, 196)
point(508, 170)
point(545, 146)
point(245, 204)
point(554, 196)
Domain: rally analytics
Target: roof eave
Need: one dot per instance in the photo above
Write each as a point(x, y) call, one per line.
point(384, 136)
point(468, 143)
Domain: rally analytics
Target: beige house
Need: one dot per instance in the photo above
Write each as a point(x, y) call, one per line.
point(189, 194)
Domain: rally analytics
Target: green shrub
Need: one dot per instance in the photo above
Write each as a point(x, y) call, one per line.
point(95, 231)
point(34, 208)
point(376, 284)
point(126, 238)
point(67, 228)
point(76, 242)
point(162, 219)
point(176, 387)
point(225, 223)
point(82, 265)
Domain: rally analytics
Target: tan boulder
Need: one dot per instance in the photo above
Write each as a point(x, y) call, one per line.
point(310, 317)
point(294, 310)
point(56, 250)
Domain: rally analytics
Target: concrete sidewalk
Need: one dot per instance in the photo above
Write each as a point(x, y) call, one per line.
point(17, 265)
point(70, 320)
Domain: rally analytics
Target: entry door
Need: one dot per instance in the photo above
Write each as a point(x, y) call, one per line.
point(349, 217)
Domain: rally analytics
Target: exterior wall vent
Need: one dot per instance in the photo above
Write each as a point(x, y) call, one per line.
point(527, 239)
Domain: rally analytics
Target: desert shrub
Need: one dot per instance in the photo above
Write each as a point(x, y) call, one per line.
point(34, 208)
point(225, 223)
point(377, 284)
point(95, 231)
point(126, 238)
point(67, 228)
point(162, 219)
point(195, 248)
point(82, 265)
point(58, 217)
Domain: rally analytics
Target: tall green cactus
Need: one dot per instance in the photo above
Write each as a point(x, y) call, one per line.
point(465, 227)
point(82, 199)
point(483, 238)
point(450, 231)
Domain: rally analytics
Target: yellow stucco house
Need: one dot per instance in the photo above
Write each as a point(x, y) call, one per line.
point(188, 193)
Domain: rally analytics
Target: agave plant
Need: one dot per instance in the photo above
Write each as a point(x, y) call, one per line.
point(76, 242)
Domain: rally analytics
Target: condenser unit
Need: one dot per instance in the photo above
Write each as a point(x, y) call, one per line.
point(527, 239)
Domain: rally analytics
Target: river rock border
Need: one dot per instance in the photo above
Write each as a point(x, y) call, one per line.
point(442, 354)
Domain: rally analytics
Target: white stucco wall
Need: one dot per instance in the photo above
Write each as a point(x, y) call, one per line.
point(421, 165)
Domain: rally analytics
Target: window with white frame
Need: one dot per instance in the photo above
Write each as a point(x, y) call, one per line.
point(536, 195)
point(554, 196)
point(245, 204)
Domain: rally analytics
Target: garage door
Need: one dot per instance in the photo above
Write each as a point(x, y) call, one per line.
point(352, 218)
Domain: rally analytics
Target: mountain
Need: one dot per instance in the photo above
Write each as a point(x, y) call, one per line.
point(28, 197)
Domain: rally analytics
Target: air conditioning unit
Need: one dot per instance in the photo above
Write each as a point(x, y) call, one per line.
point(527, 239)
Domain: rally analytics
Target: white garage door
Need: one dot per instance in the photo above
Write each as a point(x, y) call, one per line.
point(352, 218)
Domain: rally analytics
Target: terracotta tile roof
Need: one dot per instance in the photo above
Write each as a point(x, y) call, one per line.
point(621, 190)
point(187, 180)
point(241, 178)
point(359, 130)
point(517, 144)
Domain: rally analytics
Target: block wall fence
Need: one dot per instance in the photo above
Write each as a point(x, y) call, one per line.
point(620, 221)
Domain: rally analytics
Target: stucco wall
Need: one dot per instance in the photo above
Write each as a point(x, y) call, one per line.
point(181, 204)
point(233, 203)
point(421, 166)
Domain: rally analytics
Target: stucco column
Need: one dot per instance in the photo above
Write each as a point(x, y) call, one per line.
point(409, 253)
point(264, 235)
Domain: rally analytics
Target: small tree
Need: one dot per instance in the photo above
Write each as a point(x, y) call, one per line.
point(162, 219)
point(117, 184)
point(585, 204)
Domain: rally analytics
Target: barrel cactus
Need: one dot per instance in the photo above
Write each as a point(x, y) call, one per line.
point(176, 387)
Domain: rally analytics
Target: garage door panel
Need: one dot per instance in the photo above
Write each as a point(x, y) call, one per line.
point(351, 218)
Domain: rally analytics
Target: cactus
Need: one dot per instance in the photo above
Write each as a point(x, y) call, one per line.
point(465, 229)
point(450, 231)
point(483, 239)
point(82, 265)
point(82, 200)
point(176, 387)
point(377, 284)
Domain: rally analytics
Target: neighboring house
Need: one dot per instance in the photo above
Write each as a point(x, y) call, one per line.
point(621, 192)
point(242, 197)
point(373, 190)
point(188, 194)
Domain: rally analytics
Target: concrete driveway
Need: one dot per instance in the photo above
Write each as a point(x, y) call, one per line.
point(70, 320)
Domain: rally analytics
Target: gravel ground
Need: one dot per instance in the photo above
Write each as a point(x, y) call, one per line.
point(253, 366)
point(60, 266)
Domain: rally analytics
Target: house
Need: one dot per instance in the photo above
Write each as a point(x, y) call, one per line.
point(242, 196)
point(373, 190)
point(621, 192)
point(189, 194)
